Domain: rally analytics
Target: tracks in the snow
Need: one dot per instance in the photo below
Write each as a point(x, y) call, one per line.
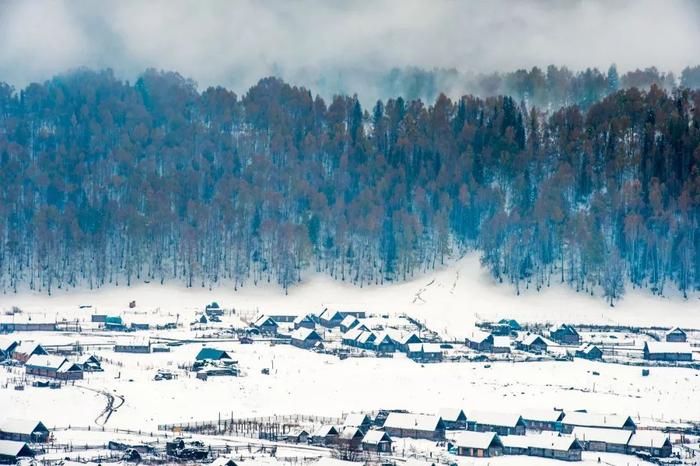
point(114, 402)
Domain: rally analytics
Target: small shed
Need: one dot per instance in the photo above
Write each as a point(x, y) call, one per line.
point(565, 334)
point(377, 441)
point(589, 351)
point(676, 335)
point(665, 351)
point(305, 338)
point(479, 444)
point(297, 436)
point(90, 363)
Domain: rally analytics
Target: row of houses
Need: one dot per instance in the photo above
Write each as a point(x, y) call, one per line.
point(24, 430)
point(353, 438)
point(653, 442)
point(37, 361)
point(491, 444)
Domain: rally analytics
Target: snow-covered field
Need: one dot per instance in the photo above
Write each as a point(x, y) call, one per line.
point(449, 301)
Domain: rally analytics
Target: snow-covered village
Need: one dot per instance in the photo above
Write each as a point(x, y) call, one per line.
point(349, 233)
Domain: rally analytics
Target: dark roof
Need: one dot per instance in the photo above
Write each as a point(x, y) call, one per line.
point(212, 353)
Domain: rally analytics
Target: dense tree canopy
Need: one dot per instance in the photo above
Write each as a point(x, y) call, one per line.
point(108, 182)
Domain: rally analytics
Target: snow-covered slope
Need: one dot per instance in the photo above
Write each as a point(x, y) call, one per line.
point(449, 300)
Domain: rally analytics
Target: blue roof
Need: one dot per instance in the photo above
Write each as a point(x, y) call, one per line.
point(212, 353)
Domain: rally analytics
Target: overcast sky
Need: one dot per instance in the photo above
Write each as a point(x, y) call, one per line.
point(234, 43)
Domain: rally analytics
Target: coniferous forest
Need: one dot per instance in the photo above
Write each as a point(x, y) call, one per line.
point(109, 182)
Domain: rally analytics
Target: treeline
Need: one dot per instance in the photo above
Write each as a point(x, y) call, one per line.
point(108, 182)
point(549, 89)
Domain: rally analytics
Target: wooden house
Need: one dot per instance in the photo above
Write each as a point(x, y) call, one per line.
point(425, 352)
point(26, 350)
point(55, 367)
point(350, 337)
point(383, 343)
point(90, 363)
point(223, 461)
point(266, 325)
point(589, 351)
point(540, 420)
point(653, 442)
point(501, 423)
point(360, 420)
point(297, 436)
point(676, 335)
point(366, 340)
point(565, 334)
point(454, 418)
point(480, 341)
point(376, 441)
point(24, 430)
point(420, 426)
point(331, 318)
point(212, 354)
point(563, 448)
point(532, 343)
point(665, 351)
point(349, 322)
point(351, 438)
point(306, 338)
point(213, 309)
point(603, 421)
point(325, 435)
point(479, 444)
point(304, 321)
point(404, 339)
point(11, 451)
point(6, 348)
point(605, 440)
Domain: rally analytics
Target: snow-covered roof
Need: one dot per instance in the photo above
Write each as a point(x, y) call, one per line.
point(587, 348)
point(21, 426)
point(331, 314)
point(677, 330)
point(501, 342)
point(666, 347)
point(27, 347)
point(403, 337)
point(549, 442)
point(366, 337)
point(480, 440)
point(349, 321)
point(383, 337)
point(11, 448)
point(611, 436)
point(531, 338)
point(451, 414)
point(424, 348)
point(325, 430)
point(356, 419)
point(495, 419)
point(648, 439)
point(6, 344)
point(304, 334)
point(609, 421)
point(374, 437)
point(223, 461)
point(479, 336)
point(350, 432)
point(565, 328)
point(353, 334)
point(264, 320)
point(303, 318)
point(542, 415)
point(46, 361)
point(423, 422)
